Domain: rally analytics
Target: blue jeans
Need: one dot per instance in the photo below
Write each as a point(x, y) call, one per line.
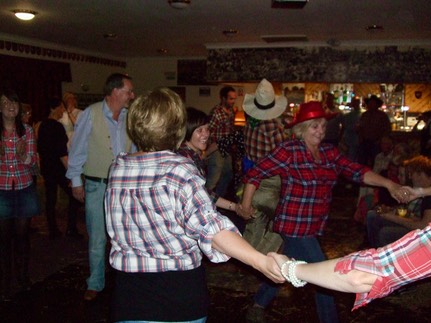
point(307, 249)
point(96, 228)
point(220, 173)
point(201, 320)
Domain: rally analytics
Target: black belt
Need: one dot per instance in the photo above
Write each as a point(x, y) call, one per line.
point(96, 179)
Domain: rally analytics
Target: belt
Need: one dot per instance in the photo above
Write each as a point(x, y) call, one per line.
point(96, 179)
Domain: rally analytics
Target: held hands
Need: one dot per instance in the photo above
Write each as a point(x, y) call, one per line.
point(279, 258)
point(245, 213)
point(271, 269)
point(405, 194)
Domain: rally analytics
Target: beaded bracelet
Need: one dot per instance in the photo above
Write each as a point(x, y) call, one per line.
point(290, 276)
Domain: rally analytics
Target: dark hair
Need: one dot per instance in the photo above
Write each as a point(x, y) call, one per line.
point(114, 81)
point(51, 104)
point(11, 95)
point(225, 90)
point(195, 119)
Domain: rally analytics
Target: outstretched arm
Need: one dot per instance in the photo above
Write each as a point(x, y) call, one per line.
point(233, 245)
point(371, 178)
point(322, 274)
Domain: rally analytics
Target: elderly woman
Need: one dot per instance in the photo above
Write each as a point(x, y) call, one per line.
point(308, 171)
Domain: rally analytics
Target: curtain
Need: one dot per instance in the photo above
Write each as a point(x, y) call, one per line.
point(34, 80)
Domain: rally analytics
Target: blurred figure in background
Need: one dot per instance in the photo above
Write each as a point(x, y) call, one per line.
point(425, 133)
point(350, 123)
point(70, 115)
point(374, 124)
point(220, 168)
point(52, 148)
point(333, 127)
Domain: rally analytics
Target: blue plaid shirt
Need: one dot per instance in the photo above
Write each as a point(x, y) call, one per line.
point(159, 215)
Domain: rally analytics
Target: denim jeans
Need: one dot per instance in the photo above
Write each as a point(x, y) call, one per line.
point(220, 173)
point(307, 249)
point(96, 229)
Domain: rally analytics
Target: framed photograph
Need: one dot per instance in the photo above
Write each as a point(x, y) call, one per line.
point(205, 91)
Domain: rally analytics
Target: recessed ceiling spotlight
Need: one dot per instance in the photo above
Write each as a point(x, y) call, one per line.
point(110, 36)
point(373, 27)
point(179, 4)
point(230, 32)
point(24, 14)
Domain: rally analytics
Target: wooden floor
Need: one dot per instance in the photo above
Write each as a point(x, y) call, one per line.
point(59, 268)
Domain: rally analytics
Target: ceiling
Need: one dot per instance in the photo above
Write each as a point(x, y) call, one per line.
point(143, 27)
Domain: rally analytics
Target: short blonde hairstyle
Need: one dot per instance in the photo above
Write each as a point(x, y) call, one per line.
point(299, 129)
point(157, 121)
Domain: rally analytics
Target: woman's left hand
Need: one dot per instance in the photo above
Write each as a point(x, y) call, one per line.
point(21, 150)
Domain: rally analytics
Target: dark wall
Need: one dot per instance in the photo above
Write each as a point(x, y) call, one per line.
point(323, 64)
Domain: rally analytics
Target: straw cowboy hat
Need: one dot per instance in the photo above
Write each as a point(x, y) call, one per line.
point(308, 111)
point(264, 104)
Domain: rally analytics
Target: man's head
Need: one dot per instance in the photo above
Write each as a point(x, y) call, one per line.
point(157, 121)
point(119, 88)
point(228, 96)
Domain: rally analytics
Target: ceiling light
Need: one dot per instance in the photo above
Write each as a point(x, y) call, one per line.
point(110, 36)
point(374, 27)
point(179, 4)
point(230, 32)
point(24, 14)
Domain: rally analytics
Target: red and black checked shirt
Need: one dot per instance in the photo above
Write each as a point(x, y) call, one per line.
point(221, 124)
point(260, 140)
point(306, 186)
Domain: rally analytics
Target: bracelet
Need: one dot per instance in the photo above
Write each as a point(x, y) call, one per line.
point(290, 276)
point(230, 206)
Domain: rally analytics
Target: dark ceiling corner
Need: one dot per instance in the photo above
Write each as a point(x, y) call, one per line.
point(289, 4)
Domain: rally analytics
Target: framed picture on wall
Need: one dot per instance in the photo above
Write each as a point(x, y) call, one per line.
point(205, 91)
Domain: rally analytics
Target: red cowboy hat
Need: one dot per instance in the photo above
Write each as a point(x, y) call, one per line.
point(308, 111)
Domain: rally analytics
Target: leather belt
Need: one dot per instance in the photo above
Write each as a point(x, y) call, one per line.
point(96, 179)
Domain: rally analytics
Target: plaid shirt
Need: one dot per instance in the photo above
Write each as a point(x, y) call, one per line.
point(397, 264)
point(159, 215)
point(306, 186)
point(15, 174)
point(221, 124)
point(186, 151)
point(261, 139)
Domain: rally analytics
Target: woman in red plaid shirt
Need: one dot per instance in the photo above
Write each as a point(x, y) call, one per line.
point(308, 171)
point(18, 196)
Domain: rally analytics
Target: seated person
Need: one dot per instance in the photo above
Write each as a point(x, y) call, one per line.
point(386, 226)
point(388, 163)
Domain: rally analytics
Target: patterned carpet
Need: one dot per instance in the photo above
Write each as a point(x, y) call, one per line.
point(58, 297)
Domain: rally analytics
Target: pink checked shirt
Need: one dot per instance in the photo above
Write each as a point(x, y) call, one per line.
point(397, 264)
